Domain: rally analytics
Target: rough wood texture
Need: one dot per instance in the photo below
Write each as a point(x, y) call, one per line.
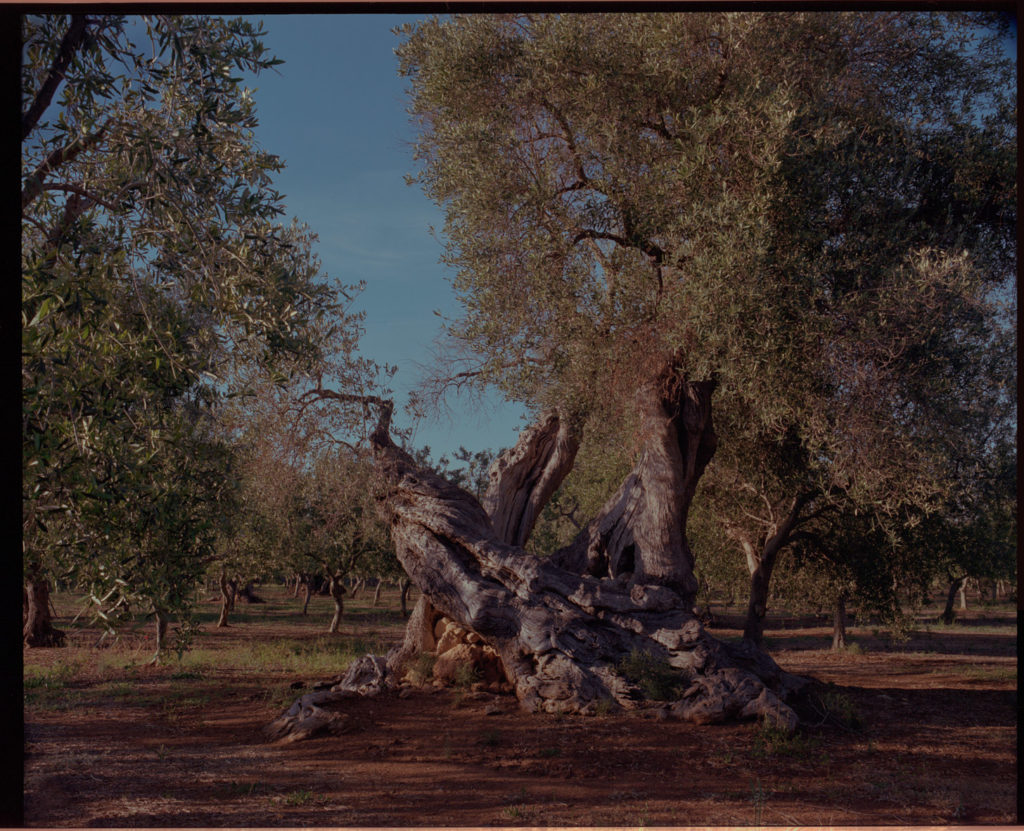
point(562, 626)
point(641, 530)
point(523, 478)
point(560, 635)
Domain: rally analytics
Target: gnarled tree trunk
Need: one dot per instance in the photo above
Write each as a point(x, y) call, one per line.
point(563, 625)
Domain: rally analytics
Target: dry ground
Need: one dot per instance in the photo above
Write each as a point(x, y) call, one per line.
point(113, 742)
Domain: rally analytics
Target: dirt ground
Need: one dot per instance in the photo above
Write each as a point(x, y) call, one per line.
point(937, 746)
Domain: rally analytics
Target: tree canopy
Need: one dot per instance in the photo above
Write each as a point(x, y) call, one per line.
point(824, 228)
point(157, 280)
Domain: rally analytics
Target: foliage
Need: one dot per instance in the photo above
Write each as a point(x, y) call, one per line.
point(157, 279)
point(658, 680)
point(825, 227)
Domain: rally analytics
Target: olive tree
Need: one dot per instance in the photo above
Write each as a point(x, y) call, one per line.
point(647, 214)
point(157, 278)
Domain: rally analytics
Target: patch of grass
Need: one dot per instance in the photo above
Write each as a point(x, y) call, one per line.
point(839, 708)
point(56, 677)
point(602, 707)
point(658, 679)
point(297, 798)
point(990, 673)
point(422, 669)
point(550, 752)
point(466, 675)
point(770, 740)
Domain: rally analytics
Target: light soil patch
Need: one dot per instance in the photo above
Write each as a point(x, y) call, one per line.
point(117, 743)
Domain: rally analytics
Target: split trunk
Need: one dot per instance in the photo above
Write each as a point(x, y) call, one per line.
point(566, 627)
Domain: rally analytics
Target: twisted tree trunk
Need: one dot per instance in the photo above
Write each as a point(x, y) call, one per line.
point(563, 625)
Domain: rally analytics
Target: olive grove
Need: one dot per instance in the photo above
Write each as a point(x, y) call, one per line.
point(774, 248)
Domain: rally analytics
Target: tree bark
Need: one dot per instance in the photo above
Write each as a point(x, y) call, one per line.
point(640, 533)
point(761, 560)
point(37, 624)
point(948, 615)
point(337, 590)
point(839, 623)
point(307, 585)
point(562, 625)
point(406, 585)
point(227, 603)
point(377, 591)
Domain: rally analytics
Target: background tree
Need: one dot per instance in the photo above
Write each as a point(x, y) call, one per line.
point(156, 279)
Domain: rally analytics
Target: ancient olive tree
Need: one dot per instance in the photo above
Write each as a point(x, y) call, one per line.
point(648, 213)
point(156, 279)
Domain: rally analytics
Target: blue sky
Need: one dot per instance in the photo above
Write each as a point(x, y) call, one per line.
point(335, 112)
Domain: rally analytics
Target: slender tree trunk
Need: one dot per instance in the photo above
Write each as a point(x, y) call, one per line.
point(227, 600)
point(160, 624)
point(761, 562)
point(839, 623)
point(963, 596)
point(948, 615)
point(308, 584)
point(377, 591)
point(357, 587)
point(337, 590)
point(757, 604)
point(37, 622)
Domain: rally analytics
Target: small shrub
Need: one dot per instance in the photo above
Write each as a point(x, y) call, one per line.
point(422, 668)
point(840, 708)
point(466, 675)
point(658, 679)
point(550, 752)
point(771, 740)
point(299, 798)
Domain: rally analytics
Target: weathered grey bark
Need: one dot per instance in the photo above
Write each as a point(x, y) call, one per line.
point(160, 624)
point(377, 591)
point(839, 623)
point(524, 477)
point(641, 530)
point(563, 624)
point(37, 623)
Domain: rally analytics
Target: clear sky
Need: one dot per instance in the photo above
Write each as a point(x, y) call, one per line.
point(335, 112)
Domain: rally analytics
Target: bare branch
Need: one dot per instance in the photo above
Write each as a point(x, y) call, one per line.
point(34, 185)
point(81, 192)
